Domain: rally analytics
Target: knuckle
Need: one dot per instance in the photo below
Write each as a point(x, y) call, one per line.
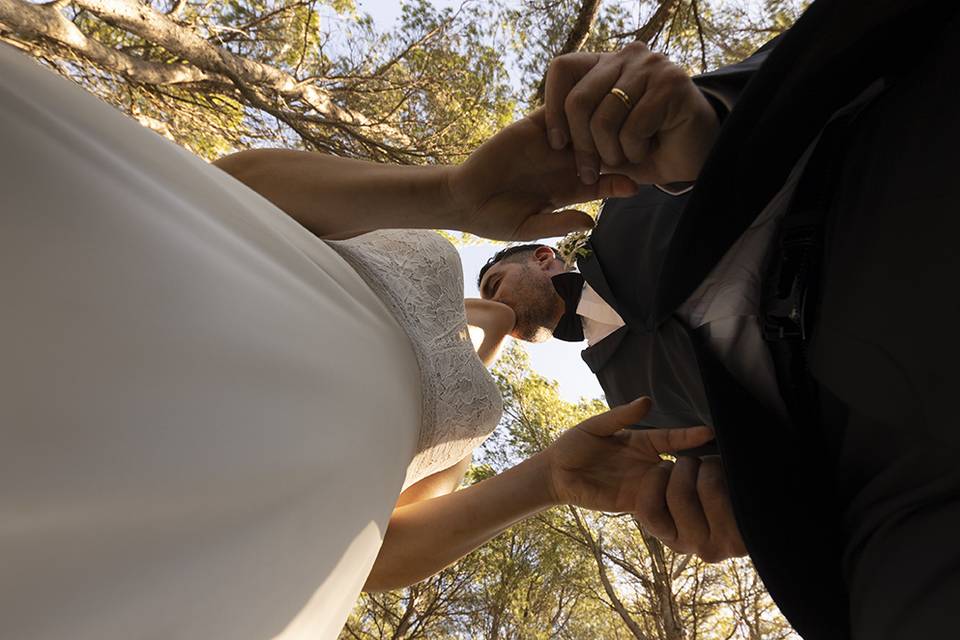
point(635, 47)
point(711, 556)
point(557, 67)
point(679, 547)
point(713, 551)
point(710, 479)
point(631, 140)
point(657, 58)
point(576, 102)
point(673, 77)
point(602, 123)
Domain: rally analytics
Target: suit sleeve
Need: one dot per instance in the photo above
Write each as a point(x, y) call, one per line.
point(724, 86)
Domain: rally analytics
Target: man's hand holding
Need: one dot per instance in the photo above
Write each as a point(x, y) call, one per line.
point(512, 185)
point(686, 506)
point(631, 112)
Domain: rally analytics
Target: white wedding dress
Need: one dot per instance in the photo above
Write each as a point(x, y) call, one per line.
point(206, 413)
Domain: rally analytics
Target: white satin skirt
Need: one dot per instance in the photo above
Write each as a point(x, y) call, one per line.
point(205, 414)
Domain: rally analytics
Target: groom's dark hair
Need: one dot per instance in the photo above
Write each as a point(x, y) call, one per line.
point(510, 254)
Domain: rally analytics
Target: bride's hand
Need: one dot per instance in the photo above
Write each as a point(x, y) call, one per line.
point(511, 186)
point(601, 465)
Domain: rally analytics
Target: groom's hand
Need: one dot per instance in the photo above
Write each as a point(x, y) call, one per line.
point(511, 187)
point(632, 112)
point(686, 506)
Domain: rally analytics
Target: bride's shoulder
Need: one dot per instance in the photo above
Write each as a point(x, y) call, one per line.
point(412, 269)
point(408, 250)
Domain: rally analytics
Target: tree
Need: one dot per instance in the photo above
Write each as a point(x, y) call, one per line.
point(697, 34)
point(568, 573)
point(217, 76)
point(316, 74)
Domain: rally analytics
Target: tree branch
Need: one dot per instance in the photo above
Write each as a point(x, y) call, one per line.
point(207, 61)
point(703, 44)
point(577, 37)
point(596, 549)
point(655, 24)
point(33, 23)
point(649, 31)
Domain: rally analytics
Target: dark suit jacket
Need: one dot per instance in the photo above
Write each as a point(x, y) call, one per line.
point(650, 253)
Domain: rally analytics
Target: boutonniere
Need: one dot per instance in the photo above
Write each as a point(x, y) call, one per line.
point(573, 246)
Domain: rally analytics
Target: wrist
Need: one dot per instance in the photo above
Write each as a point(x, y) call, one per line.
point(546, 486)
point(450, 180)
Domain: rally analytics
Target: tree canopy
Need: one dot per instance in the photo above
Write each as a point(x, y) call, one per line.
point(319, 75)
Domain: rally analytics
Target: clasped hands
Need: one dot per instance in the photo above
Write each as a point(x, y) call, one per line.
point(601, 465)
point(610, 121)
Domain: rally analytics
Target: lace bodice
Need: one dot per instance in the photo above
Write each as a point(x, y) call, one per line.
point(419, 277)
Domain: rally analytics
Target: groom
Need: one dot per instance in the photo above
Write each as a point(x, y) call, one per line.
point(833, 420)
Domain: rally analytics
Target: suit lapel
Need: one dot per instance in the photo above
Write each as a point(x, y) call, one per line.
point(592, 273)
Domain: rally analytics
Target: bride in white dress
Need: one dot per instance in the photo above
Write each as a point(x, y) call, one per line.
point(212, 420)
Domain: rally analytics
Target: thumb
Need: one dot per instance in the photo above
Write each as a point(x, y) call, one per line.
point(614, 185)
point(553, 224)
point(609, 422)
point(608, 185)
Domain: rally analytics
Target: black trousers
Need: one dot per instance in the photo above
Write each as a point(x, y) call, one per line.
point(886, 354)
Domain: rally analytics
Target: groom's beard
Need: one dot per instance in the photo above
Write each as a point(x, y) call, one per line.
point(537, 306)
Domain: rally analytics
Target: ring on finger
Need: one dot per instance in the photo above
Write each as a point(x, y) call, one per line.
point(622, 97)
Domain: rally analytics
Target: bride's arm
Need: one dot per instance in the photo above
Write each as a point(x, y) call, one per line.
point(341, 197)
point(433, 525)
point(595, 465)
point(507, 189)
point(495, 320)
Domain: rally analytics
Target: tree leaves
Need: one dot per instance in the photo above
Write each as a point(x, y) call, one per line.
point(568, 573)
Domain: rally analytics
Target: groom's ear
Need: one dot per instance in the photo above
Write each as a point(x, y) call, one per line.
point(544, 256)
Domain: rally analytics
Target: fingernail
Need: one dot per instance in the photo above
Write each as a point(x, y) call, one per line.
point(557, 138)
point(588, 174)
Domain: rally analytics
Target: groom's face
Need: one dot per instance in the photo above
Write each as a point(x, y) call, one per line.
point(525, 286)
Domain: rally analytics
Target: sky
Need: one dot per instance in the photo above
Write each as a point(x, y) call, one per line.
point(554, 359)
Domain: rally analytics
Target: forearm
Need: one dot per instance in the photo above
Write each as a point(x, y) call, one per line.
point(340, 197)
point(427, 536)
point(495, 320)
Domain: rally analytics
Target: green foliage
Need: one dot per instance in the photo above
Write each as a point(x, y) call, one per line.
point(542, 577)
point(697, 34)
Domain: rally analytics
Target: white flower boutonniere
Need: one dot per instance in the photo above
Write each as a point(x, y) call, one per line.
point(573, 246)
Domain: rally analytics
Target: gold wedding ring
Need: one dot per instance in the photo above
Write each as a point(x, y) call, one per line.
point(622, 97)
